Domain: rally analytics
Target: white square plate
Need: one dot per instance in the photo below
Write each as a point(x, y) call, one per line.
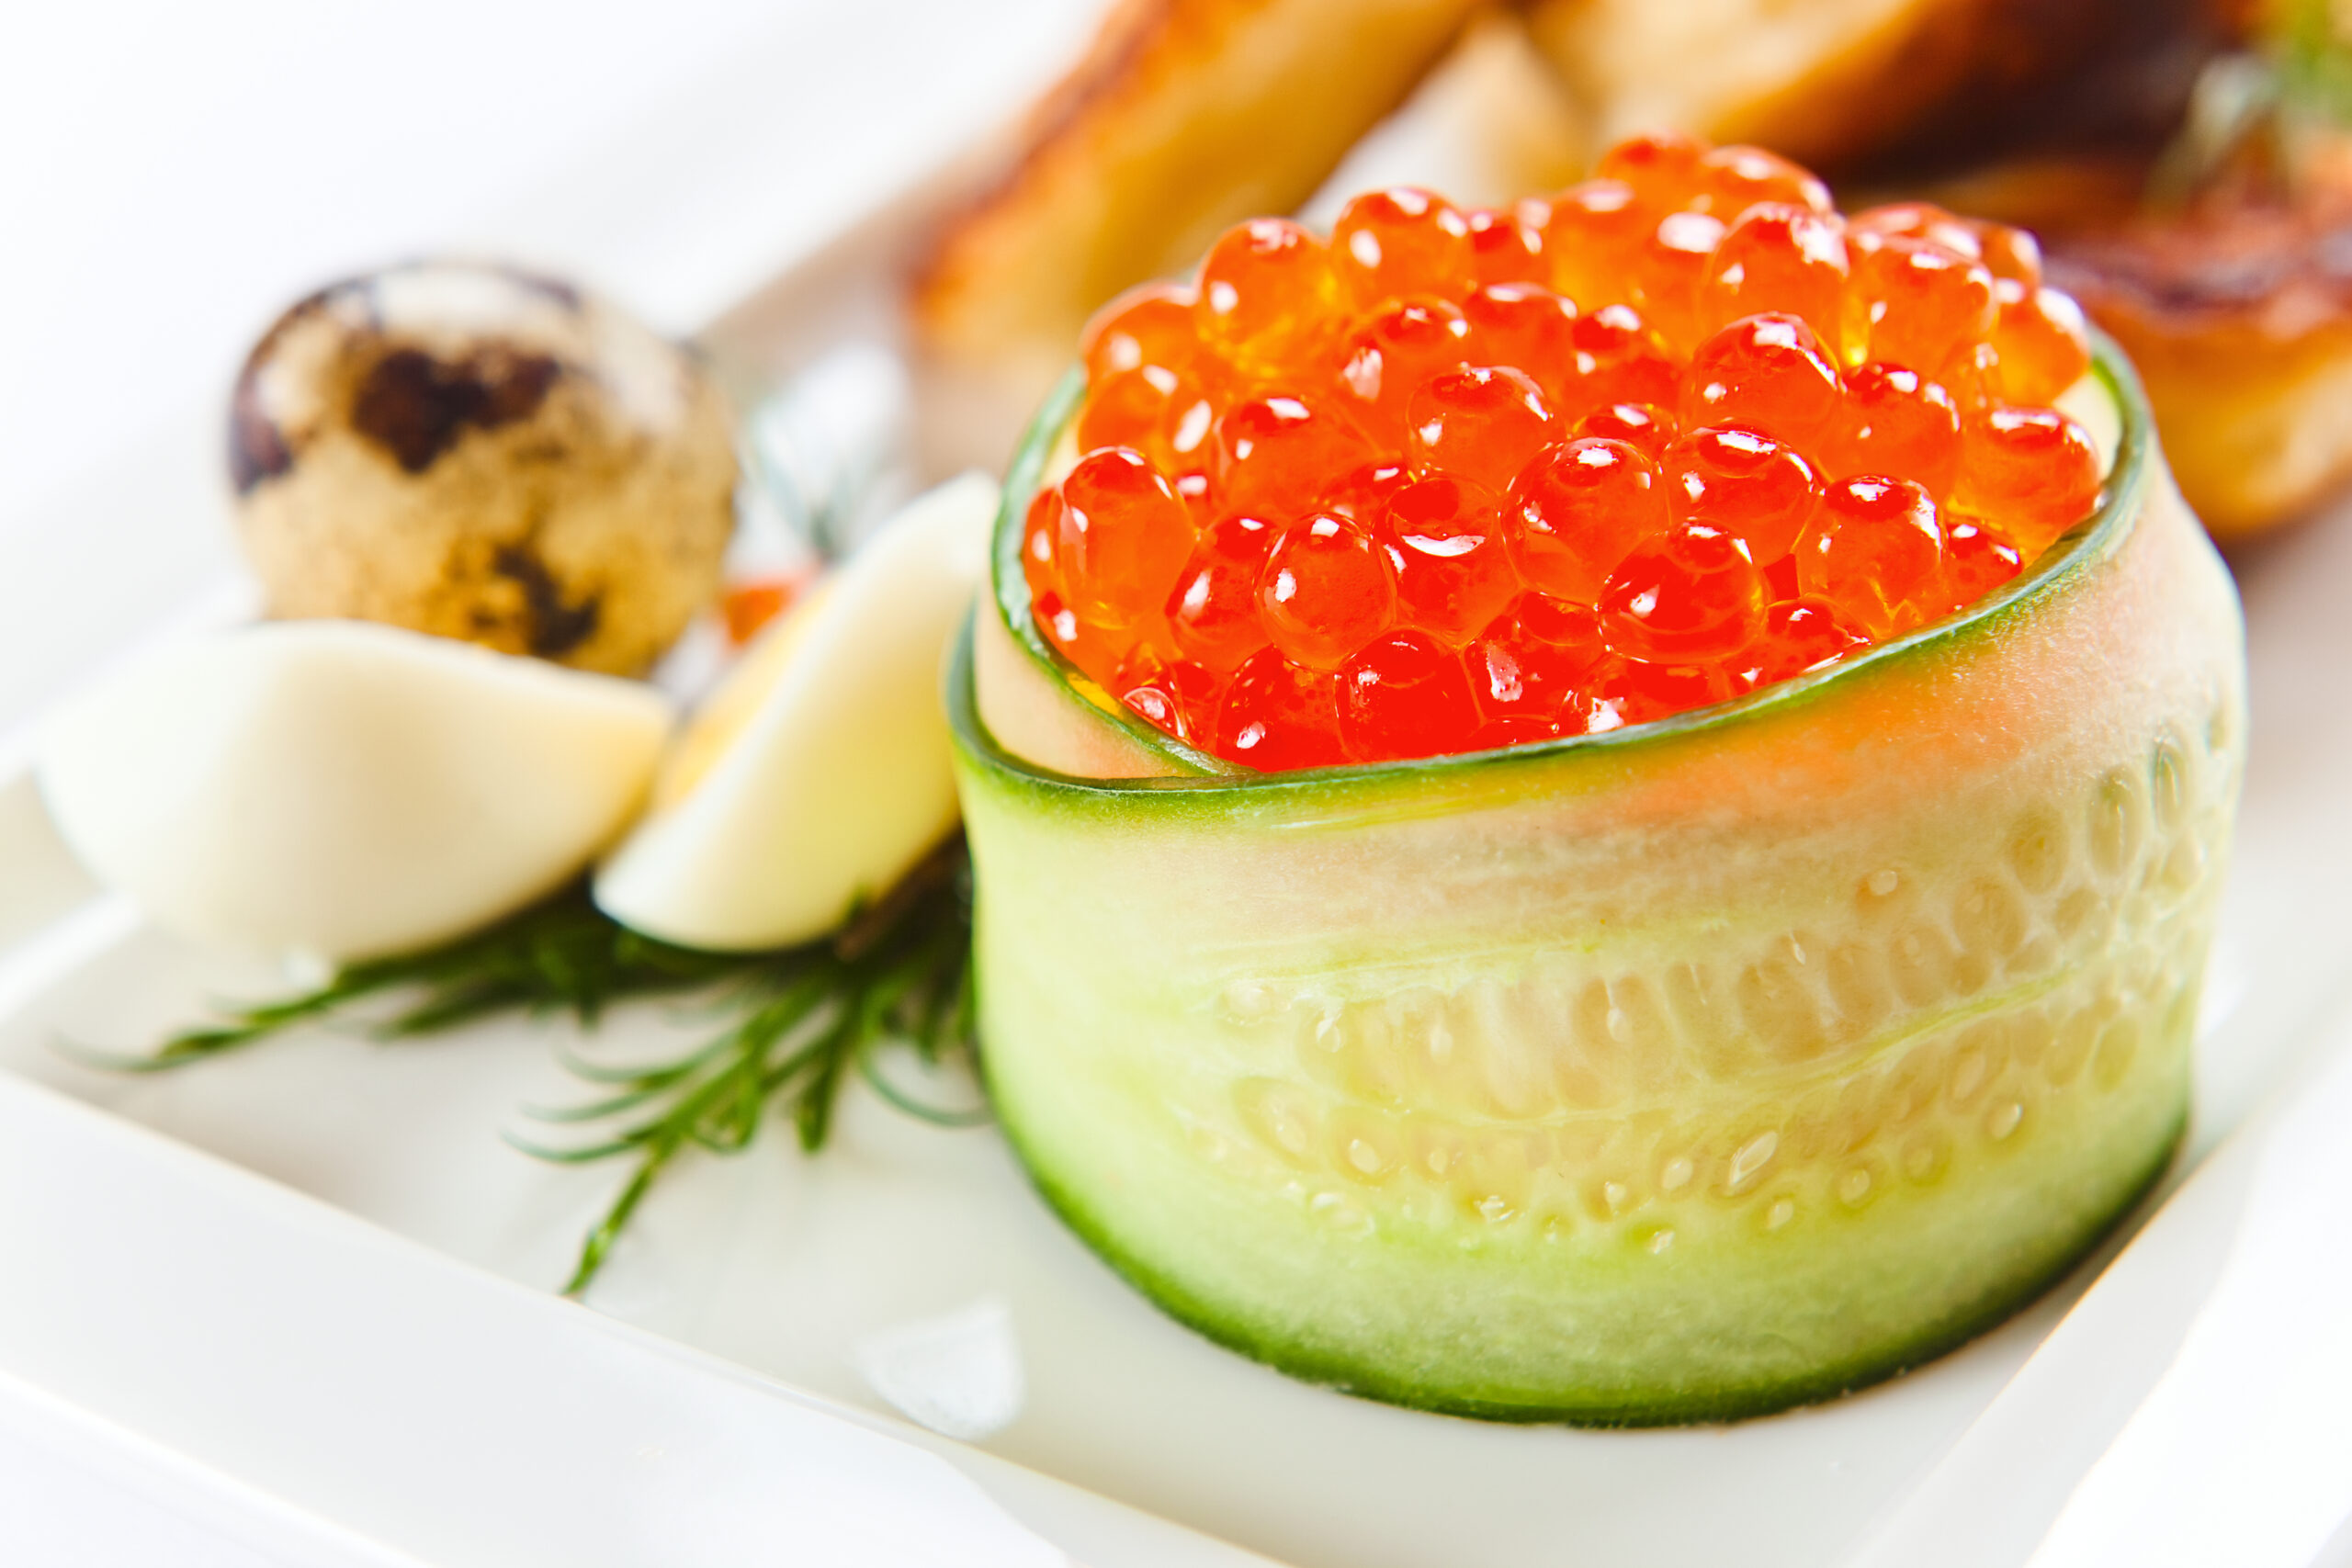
point(431, 1409)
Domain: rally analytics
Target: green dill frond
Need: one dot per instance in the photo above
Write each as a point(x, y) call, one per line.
point(789, 1026)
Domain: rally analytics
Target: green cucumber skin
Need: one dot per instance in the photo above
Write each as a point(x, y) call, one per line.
point(1196, 993)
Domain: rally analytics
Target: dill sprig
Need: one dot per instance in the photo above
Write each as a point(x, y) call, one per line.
point(796, 1023)
point(804, 1020)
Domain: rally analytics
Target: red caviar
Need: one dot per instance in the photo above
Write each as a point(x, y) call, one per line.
point(1532, 668)
point(1580, 509)
point(1457, 479)
point(1506, 244)
point(1405, 694)
point(1327, 589)
point(1391, 243)
point(1783, 258)
point(1645, 427)
point(1744, 483)
point(1444, 536)
point(1769, 373)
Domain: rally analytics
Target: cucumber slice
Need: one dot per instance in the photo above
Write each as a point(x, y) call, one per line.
point(1682, 1072)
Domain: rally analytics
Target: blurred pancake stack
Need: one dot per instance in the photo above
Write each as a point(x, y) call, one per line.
point(2185, 163)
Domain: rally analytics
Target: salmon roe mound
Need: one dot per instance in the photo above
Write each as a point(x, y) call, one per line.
point(1452, 480)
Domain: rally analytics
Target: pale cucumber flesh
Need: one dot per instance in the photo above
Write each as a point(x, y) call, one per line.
point(1540, 1187)
point(1696, 1072)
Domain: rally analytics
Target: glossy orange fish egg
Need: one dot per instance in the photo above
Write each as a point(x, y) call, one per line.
point(1450, 479)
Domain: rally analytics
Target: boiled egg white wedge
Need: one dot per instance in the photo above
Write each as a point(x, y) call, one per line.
point(817, 773)
point(343, 790)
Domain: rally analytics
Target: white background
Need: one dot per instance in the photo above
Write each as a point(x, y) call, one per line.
point(170, 174)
